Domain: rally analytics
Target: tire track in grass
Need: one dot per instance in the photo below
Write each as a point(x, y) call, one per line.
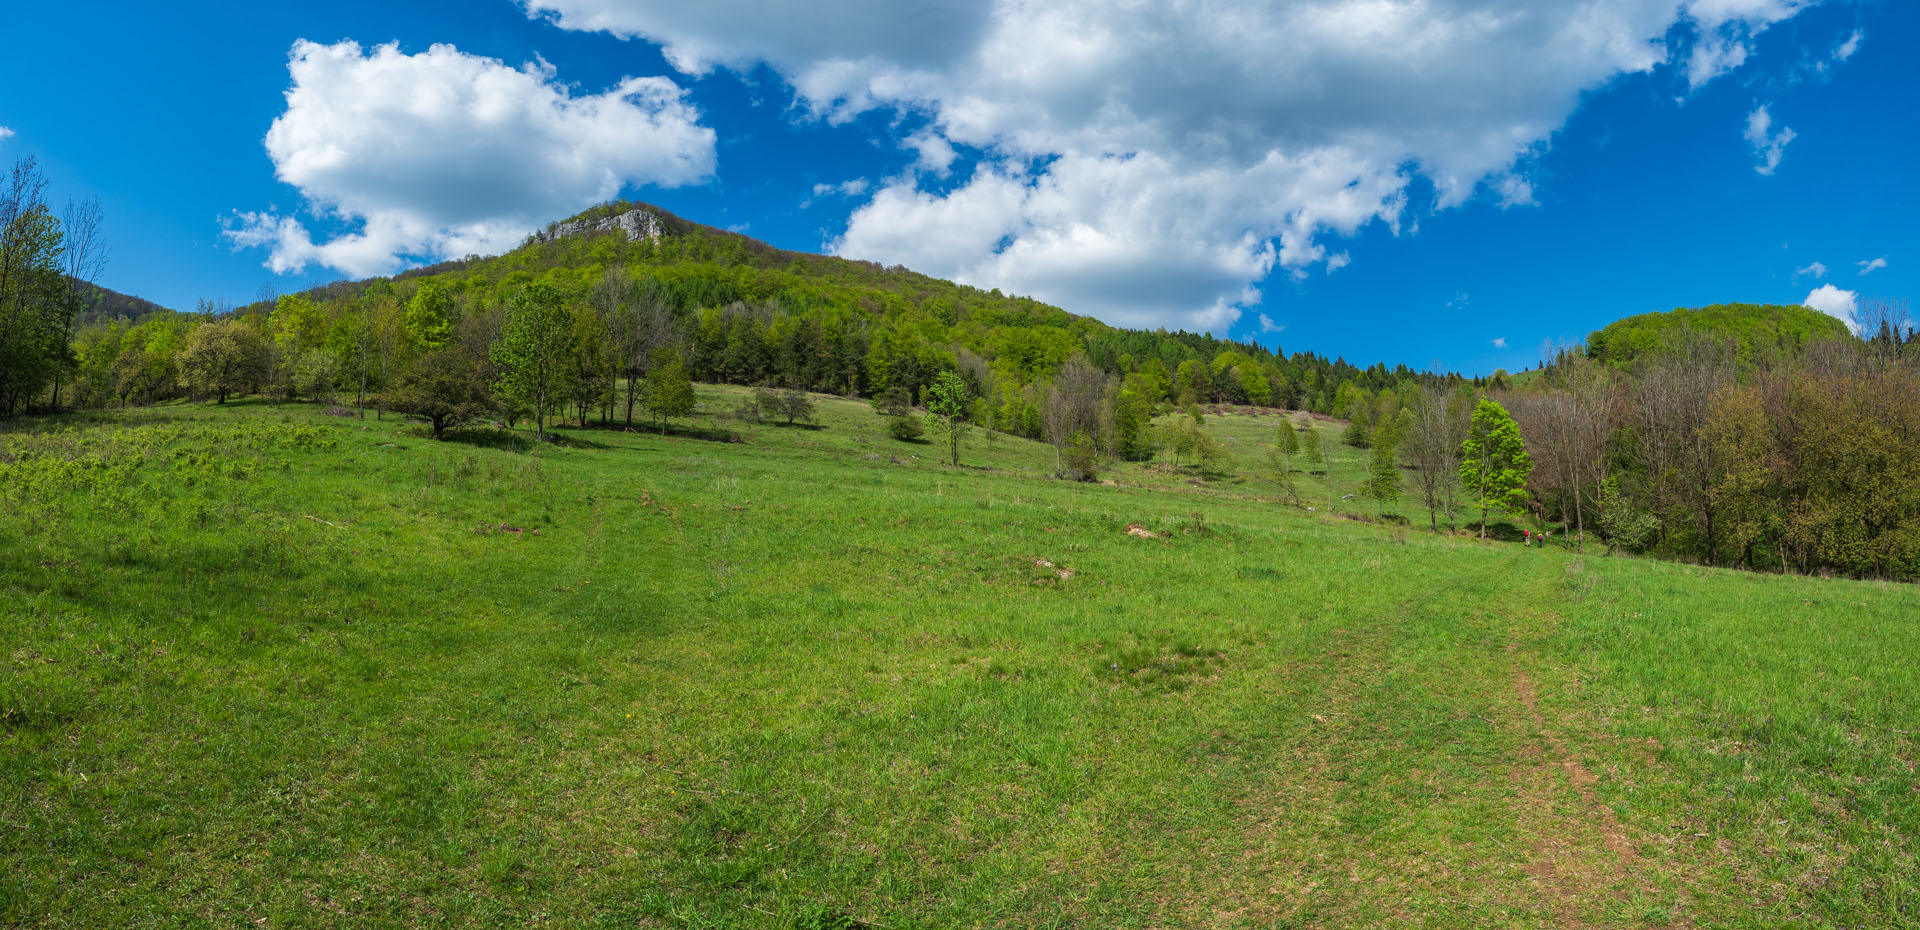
point(1584, 861)
point(1388, 793)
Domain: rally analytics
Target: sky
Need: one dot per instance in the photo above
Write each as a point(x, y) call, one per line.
point(1449, 184)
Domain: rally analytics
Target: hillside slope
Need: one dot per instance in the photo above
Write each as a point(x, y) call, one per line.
point(758, 313)
point(1759, 331)
point(266, 667)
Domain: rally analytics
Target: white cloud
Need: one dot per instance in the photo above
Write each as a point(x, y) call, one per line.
point(936, 154)
point(1871, 266)
point(1835, 302)
point(443, 154)
point(1499, 343)
point(851, 188)
point(1847, 48)
point(1726, 29)
point(1768, 145)
point(1267, 325)
point(1817, 269)
point(1152, 160)
point(5, 133)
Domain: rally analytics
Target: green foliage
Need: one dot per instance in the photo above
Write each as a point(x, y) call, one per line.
point(430, 314)
point(669, 392)
point(1382, 485)
point(443, 388)
point(1132, 425)
point(1312, 448)
point(1621, 523)
point(947, 407)
point(1184, 438)
point(1286, 440)
point(534, 353)
point(1760, 332)
point(1494, 462)
point(1081, 457)
point(906, 428)
point(37, 302)
point(842, 692)
point(226, 358)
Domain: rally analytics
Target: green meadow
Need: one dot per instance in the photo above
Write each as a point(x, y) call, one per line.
point(265, 667)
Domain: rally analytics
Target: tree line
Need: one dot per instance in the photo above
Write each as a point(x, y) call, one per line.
point(734, 311)
point(1806, 462)
point(46, 262)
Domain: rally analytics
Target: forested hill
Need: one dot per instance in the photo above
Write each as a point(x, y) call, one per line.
point(1759, 331)
point(753, 313)
point(103, 305)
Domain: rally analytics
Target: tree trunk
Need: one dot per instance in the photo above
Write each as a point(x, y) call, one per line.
point(1580, 522)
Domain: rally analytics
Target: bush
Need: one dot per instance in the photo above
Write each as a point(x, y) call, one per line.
point(1081, 457)
point(906, 429)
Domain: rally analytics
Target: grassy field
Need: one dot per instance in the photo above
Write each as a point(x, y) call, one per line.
point(264, 667)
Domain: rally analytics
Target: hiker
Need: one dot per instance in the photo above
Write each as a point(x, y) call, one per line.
point(1527, 535)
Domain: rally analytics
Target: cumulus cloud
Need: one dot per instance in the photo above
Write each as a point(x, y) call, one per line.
point(1817, 269)
point(1872, 265)
point(1152, 161)
point(936, 155)
point(443, 154)
point(1837, 303)
point(1767, 144)
point(1498, 343)
point(1268, 326)
point(5, 133)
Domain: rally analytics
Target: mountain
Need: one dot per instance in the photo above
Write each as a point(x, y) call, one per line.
point(1759, 331)
point(750, 312)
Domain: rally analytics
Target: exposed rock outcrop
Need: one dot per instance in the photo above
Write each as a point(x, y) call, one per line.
point(636, 223)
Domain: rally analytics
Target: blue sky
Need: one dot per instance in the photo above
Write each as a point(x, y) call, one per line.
point(1447, 183)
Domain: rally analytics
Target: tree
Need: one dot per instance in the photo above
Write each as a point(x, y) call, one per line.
point(36, 302)
point(1383, 466)
point(1132, 419)
point(893, 402)
point(1494, 464)
point(947, 399)
point(594, 364)
point(669, 391)
point(1312, 448)
point(1073, 411)
point(1436, 428)
point(298, 326)
point(444, 388)
point(1286, 445)
point(534, 353)
point(226, 357)
point(429, 316)
point(794, 405)
point(1183, 437)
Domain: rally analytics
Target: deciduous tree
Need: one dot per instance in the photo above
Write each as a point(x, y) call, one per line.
point(1494, 463)
point(534, 351)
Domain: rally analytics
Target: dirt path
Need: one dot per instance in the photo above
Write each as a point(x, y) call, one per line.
point(1581, 855)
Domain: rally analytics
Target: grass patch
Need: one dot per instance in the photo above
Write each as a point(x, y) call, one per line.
point(262, 664)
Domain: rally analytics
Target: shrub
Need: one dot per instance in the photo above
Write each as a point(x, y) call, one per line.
point(1081, 457)
point(905, 429)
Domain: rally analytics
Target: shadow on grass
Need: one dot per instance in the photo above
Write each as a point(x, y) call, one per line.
point(489, 438)
point(1496, 532)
